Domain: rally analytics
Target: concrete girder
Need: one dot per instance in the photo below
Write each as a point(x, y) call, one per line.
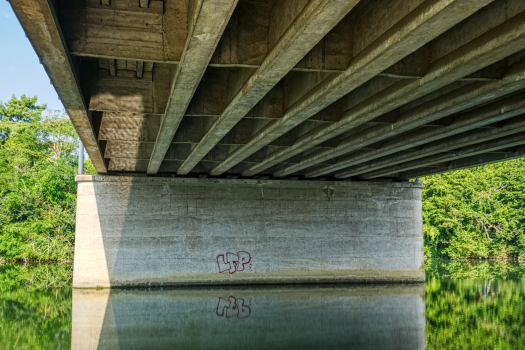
point(481, 148)
point(316, 19)
point(41, 26)
point(410, 33)
point(513, 126)
point(125, 30)
point(470, 162)
point(207, 20)
point(451, 103)
point(147, 95)
point(487, 49)
point(484, 116)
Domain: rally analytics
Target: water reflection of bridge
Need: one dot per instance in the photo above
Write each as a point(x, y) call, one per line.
point(336, 317)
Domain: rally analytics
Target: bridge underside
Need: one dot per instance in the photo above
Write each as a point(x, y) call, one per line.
point(314, 89)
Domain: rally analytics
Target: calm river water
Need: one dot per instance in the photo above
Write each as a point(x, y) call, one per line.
point(462, 305)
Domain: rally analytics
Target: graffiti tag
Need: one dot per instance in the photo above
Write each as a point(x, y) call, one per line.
point(233, 307)
point(233, 262)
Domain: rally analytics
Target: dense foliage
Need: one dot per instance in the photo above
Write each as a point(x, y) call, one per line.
point(477, 305)
point(35, 306)
point(37, 184)
point(476, 213)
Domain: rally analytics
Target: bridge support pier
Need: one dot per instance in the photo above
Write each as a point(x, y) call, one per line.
point(145, 231)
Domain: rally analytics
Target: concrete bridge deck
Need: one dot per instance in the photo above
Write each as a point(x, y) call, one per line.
point(368, 89)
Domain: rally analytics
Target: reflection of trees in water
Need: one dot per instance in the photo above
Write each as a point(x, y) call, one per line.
point(475, 305)
point(469, 304)
point(35, 306)
point(478, 269)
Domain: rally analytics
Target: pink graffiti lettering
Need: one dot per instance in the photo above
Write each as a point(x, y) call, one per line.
point(233, 307)
point(244, 258)
point(224, 265)
point(233, 262)
point(222, 305)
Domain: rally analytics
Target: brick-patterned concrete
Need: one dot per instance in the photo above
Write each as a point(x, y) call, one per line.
point(173, 231)
point(388, 317)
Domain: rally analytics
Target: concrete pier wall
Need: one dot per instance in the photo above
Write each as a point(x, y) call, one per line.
point(138, 231)
point(378, 317)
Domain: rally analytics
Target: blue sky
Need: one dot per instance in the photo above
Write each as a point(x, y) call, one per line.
point(20, 70)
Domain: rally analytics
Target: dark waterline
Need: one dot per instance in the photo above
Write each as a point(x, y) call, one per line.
point(462, 305)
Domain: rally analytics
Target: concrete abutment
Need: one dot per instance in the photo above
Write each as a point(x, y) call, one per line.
point(153, 231)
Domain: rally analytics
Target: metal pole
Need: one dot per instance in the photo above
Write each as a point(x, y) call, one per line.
point(80, 157)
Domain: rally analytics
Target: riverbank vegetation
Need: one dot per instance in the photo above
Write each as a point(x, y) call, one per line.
point(471, 213)
point(37, 182)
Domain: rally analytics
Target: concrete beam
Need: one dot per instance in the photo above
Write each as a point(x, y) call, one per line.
point(207, 20)
point(513, 126)
point(125, 29)
point(128, 149)
point(129, 127)
point(316, 19)
point(407, 35)
point(112, 68)
point(449, 104)
point(38, 18)
point(464, 152)
point(481, 52)
point(484, 116)
point(470, 162)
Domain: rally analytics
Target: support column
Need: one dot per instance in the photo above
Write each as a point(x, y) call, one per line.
point(141, 231)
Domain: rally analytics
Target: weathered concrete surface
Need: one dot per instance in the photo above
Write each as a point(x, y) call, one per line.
point(315, 20)
point(207, 21)
point(176, 231)
point(412, 31)
point(373, 317)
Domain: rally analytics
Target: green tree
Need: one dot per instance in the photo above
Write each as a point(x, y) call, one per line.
point(476, 213)
point(18, 110)
point(37, 185)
